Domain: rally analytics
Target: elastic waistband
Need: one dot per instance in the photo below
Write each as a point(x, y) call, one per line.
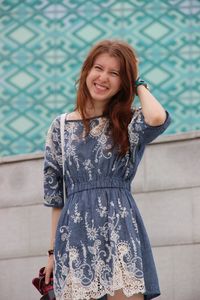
point(105, 182)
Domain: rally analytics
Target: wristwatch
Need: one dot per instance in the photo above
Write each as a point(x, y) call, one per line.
point(50, 252)
point(139, 81)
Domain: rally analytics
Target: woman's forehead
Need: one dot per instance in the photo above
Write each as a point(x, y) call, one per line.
point(107, 59)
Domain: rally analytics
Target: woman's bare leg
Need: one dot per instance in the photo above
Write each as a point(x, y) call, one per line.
point(119, 295)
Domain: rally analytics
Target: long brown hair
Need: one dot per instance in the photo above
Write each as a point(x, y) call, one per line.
point(118, 108)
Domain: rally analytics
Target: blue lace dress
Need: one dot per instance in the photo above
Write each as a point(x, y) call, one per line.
point(101, 243)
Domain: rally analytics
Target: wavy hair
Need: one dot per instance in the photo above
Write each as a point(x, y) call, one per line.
point(118, 108)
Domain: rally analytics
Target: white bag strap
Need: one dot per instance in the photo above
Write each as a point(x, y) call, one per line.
point(62, 129)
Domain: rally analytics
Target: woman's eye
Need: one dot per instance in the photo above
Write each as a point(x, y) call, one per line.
point(114, 73)
point(97, 67)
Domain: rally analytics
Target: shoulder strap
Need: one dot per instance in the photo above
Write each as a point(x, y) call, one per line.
point(62, 129)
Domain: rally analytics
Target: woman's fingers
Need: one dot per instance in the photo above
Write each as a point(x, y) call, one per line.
point(47, 275)
point(48, 270)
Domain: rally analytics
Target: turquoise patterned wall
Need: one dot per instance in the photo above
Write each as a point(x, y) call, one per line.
point(43, 43)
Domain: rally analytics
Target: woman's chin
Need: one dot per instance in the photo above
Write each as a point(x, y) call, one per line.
point(100, 98)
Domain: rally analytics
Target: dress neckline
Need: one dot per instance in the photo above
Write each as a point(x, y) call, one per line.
point(81, 120)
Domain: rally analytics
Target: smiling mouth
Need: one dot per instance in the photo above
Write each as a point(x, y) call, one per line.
point(100, 87)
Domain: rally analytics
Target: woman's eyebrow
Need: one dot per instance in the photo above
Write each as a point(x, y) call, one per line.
point(116, 70)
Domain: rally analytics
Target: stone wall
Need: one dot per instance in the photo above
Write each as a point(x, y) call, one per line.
point(166, 189)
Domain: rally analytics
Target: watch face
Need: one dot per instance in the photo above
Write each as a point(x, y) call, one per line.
point(139, 82)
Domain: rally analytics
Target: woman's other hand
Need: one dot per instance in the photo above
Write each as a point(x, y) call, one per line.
point(48, 269)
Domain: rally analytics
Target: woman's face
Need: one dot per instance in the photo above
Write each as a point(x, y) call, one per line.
point(103, 80)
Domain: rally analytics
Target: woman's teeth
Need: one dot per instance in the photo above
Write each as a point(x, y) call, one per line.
point(100, 87)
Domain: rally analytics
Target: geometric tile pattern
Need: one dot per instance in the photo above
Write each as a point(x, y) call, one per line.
point(43, 44)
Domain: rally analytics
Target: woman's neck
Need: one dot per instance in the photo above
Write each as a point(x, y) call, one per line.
point(94, 111)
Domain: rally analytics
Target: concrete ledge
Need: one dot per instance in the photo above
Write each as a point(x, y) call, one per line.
point(173, 165)
point(178, 270)
point(164, 166)
point(16, 278)
point(161, 139)
point(27, 231)
point(171, 217)
point(183, 136)
point(21, 157)
point(166, 189)
point(21, 183)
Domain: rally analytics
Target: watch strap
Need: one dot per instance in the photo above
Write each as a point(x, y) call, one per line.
point(139, 81)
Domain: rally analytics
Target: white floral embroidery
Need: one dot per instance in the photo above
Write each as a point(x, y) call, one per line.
point(135, 224)
point(117, 264)
point(95, 254)
point(92, 232)
point(104, 231)
point(102, 210)
point(122, 210)
point(70, 179)
point(138, 122)
point(103, 146)
point(70, 148)
point(88, 167)
point(134, 137)
point(65, 233)
point(73, 254)
point(77, 215)
point(100, 130)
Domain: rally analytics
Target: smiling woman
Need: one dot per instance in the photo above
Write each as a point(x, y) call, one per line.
point(100, 245)
point(103, 80)
point(106, 86)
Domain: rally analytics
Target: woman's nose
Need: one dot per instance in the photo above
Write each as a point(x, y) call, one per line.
point(103, 76)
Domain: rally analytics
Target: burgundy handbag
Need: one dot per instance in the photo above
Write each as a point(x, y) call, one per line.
point(45, 289)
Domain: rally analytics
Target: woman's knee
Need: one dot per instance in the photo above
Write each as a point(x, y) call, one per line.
point(119, 295)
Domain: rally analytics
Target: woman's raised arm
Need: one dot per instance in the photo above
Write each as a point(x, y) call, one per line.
point(153, 111)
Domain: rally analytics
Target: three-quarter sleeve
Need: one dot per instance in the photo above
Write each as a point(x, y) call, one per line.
point(145, 132)
point(53, 177)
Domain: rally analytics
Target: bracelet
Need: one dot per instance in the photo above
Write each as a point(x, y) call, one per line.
point(139, 82)
point(50, 252)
